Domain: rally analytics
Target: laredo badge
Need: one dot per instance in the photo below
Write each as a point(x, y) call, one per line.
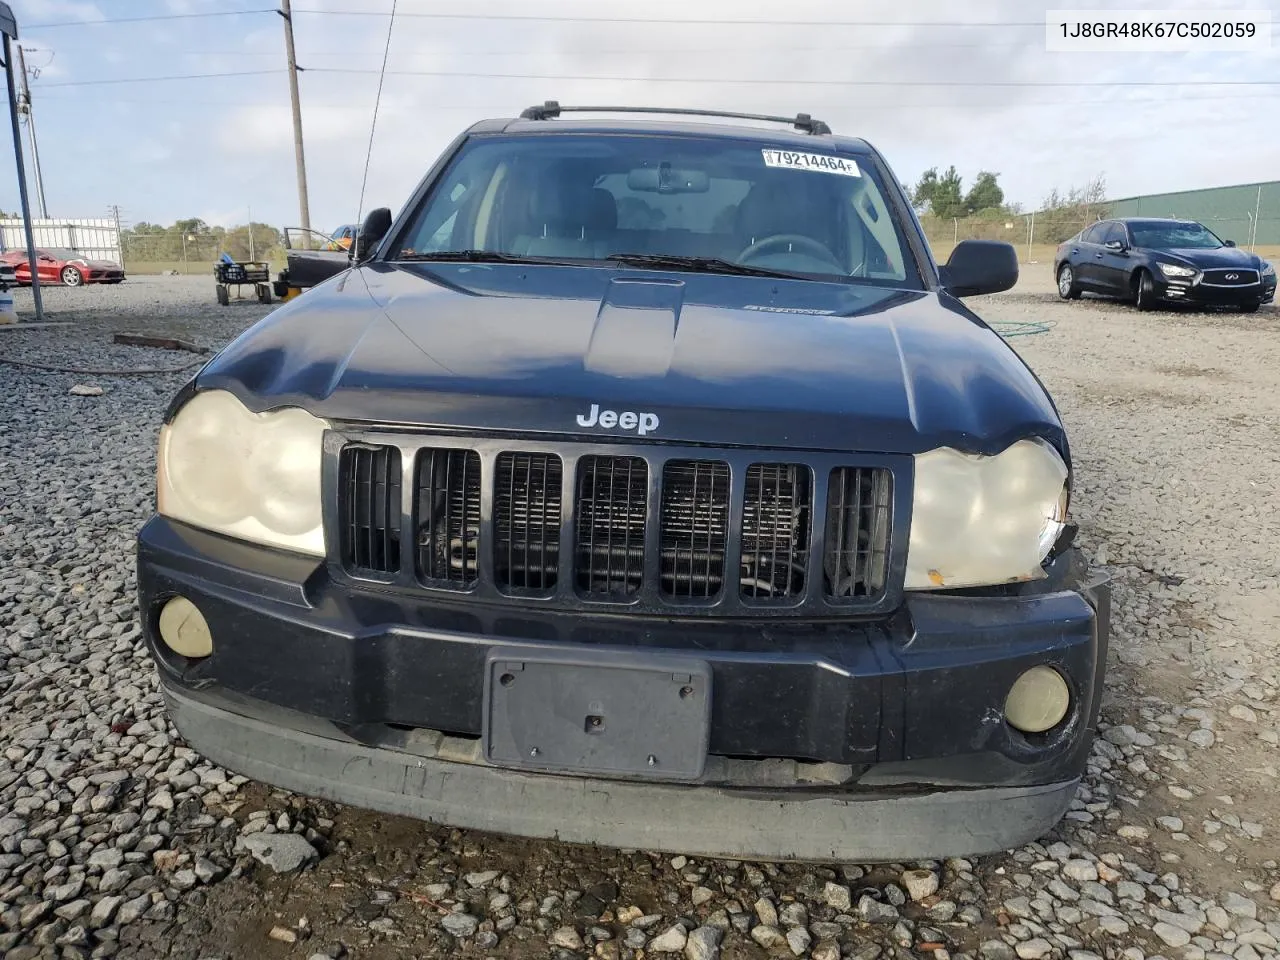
point(817, 162)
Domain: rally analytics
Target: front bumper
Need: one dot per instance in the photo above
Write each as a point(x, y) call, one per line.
point(1194, 290)
point(835, 740)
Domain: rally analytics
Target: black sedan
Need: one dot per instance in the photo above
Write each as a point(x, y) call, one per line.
point(1150, 262)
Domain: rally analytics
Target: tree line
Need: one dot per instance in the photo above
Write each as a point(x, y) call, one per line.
point(193, 239)
point(940, 197)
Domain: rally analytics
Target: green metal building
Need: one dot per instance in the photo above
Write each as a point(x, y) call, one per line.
point(1248, 213)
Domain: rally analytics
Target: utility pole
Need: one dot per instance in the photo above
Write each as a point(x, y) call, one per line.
point(300, 160)
point(24, 107)
point(9, 29)
point(115, 215)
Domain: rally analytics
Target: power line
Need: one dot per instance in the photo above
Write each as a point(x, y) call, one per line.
point(778, 81)
point(147, 19)
point(187, 76)
point(665, 50)
point(564, 18)
point(896, 107)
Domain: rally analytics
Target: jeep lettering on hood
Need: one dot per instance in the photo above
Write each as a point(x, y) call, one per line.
point(642, 423)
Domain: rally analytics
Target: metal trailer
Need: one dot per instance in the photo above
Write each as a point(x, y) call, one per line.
point(238, 274)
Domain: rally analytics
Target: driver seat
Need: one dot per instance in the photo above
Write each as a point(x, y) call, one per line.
point(768, 210)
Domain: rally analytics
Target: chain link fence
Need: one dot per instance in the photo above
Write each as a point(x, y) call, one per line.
point(1036, 236)
point(196, 253)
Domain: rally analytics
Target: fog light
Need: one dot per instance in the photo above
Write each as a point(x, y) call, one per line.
point(184, 630)
point(1038, 700)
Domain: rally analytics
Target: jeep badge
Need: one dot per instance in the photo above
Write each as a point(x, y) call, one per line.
point(642, 423)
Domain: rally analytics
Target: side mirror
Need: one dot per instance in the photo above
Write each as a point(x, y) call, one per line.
point(1116, 246)
point(980, 266)
point(1230, 243)
point(376, 224)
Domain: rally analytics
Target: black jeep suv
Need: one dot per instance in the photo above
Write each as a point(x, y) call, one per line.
point(643, 483)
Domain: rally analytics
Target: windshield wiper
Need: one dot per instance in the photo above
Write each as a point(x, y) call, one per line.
point(700, 264)
point(477, 256)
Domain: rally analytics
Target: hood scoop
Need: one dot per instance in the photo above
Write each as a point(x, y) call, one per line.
point(635, 329)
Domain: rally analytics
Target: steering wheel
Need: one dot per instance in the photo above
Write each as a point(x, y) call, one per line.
point(809, 245)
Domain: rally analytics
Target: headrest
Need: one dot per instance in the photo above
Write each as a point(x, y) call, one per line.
point(602, 210)
point(768, 210)
point(561, 206)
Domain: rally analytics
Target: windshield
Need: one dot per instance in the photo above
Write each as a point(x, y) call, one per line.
point(588, 197)
point(1173, 236)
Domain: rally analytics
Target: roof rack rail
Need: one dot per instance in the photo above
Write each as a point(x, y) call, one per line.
point(801, 121)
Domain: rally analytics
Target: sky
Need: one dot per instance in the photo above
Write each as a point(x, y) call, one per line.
point(929, 82)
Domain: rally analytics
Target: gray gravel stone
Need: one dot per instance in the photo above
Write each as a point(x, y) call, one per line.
point(703, 943)
point(837, 896)
point(671, 940)
point(1037, 948)
point(460, 925)
point(282, 852)
point(920, 883)
point(1203, 738)
point(1080, 870)
point(766, 912)
point(1240, 906)
point(873, 911)
point(566, 937)
point(798, 939)
point(1171, 935)
point(104, 911)
point(767, 936)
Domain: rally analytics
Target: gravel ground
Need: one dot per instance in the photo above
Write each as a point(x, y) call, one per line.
point(117, 840)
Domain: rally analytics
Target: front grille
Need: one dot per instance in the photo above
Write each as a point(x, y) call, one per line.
point(447, 516)
point(1230, 278)
point(775, 531)
point(857, 537)
point(526, 521)
point(695, 527)
point(612, 505)
point(731, 533)
point(370, 514)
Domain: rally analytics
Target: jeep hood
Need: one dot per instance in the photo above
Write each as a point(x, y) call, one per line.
point(715, 359)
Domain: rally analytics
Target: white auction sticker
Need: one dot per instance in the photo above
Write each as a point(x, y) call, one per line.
point(1140, 31)
point(818, 162)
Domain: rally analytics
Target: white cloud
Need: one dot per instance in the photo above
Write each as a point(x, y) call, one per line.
point(1037, 137)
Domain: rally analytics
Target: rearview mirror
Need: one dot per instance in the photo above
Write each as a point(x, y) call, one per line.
point(1230, 243)
point(663, 179)
point(980, 266)
point(376, 224)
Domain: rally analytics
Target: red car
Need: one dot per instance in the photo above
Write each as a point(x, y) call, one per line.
point(63, 266)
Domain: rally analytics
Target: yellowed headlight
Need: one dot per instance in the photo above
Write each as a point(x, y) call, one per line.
point(243, 474)
point(979, 521)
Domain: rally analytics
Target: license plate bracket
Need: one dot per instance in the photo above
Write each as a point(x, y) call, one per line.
point(608, 713)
